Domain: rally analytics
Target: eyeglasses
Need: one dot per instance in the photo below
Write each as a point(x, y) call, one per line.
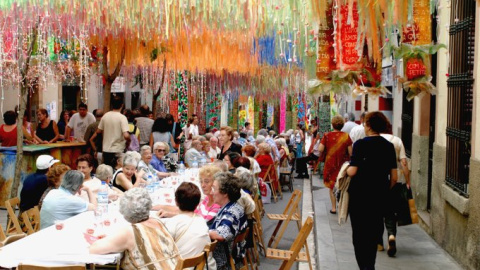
point(161, 150)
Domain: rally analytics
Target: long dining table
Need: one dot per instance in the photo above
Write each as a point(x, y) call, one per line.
point(51, 247)
point(68, 246)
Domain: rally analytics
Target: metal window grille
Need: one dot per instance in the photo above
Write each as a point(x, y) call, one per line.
point(460, 94)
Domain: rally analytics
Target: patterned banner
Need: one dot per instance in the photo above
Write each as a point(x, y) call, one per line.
point(213, 111)
point(283, 111)
point(420, 33)
point(347, 24)
point(250, 111)
point(181, 89)
point(325, 61)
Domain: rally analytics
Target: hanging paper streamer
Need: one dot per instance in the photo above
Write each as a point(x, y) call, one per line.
point(250, 111)
point(420, 32)
point(181, 89)
point(213, 111)
point(302, 113)
point(270, 115)
point(283, 108)
point(347, 28)
point(325, 61)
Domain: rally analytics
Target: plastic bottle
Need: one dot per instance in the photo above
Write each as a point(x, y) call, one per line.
point(195, 163)
point(102, 202)
point(203, 161)
point(181, 168)
point(150, 184)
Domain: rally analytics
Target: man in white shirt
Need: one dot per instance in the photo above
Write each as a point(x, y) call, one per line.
point(358, 132)
point(79, 123)
point(144, 124)
point(349, 123)
point(115, 130)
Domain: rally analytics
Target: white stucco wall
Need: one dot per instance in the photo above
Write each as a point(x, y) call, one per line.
point(442, 69)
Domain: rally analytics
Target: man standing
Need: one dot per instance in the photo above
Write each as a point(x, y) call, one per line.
point(349, 123)
point(79, 123)
point(36, 183)
point(144, 124)
point(97, 143)
point(358, 132)
point(175, 129)
point(114, 127)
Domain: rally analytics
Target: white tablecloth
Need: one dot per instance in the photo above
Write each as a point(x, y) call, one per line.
point(59, 247)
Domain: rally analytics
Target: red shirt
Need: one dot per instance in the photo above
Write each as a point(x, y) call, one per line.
point(8, 138)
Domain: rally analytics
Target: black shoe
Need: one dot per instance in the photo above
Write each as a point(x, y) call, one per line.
point(392, 248)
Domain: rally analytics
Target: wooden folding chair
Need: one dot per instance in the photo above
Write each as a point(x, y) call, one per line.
point(38, 267)
point(13, 225)
point(31, 217)
point(268, 180)
point(291, 212)
point(258, 232)
point(293, 254)
point(239, 238)
point(198, 262)
point(275, 171)
point(259, 204)
point(5, 240)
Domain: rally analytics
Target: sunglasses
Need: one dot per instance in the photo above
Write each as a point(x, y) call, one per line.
point(161, 150)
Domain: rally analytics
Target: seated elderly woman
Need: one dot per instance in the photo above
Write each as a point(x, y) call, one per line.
point(160, 161)
point(145, 163)
point(207, 208)
point(127, 177)
point(60, 204)
point(230, 159)
point(265, 160)
point(230, 220)
point(194, 153)
point(85, 165)
point(146, 242)
point(105, 173)
point(54, 179)
point(187, 228)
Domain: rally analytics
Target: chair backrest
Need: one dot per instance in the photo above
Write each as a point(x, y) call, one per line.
point(266, 176)
point(211, 247)
point(13, 226)
point(299, 242)
point(12, 238)
point(31, 217)
point(293, 202)
point(197, 261)
point(38, 267)
point(2, 233)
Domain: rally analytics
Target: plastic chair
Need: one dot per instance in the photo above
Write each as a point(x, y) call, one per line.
point(13, 225)
point(31, 217)
point(294, 253)
point(291, 212)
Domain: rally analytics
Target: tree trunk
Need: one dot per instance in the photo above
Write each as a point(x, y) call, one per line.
point(159, 91)
point(23, 104)
point(107, 89)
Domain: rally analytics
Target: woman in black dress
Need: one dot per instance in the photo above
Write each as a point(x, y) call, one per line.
point(226, 139)
point(373, 169)
point(47, 130)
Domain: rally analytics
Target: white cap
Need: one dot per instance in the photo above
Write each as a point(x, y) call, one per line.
point(45, 161)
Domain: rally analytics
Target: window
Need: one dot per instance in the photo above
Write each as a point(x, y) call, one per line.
point(460, 94)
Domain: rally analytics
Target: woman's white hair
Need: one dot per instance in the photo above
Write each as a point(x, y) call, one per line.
point(145, 148)
point(135, 205)
point(160, 144)
point(246, 179)
point(131, 158)
point(104, 172)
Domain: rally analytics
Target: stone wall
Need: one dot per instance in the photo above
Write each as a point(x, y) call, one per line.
point(455, 220)
point(419, 170)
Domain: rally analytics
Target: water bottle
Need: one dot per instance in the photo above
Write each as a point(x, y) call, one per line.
point(181, 168)
point(195, 163)
point(102, 202)
point(203, 161)
point(150, 184)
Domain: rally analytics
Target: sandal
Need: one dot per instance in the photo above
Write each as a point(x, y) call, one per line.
point(333, 212)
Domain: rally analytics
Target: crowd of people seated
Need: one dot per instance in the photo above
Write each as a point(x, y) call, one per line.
point(219, 208)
